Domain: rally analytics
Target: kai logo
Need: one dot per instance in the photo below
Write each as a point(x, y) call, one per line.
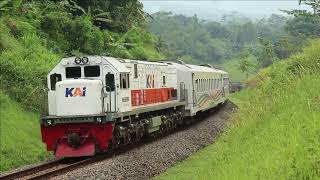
point(74, 92)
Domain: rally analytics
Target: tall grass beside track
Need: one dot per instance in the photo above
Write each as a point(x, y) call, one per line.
point(20, 141)
point(276, 132)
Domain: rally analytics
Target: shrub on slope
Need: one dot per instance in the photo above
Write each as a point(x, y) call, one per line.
point(274, 135)
point(24, 63)
point(26, 58)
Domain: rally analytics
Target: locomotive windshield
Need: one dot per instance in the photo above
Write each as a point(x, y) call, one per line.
point(92, 71)
point(73, 72)
point(89, 71)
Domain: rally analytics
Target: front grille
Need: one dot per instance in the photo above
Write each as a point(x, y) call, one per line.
point(52, 120)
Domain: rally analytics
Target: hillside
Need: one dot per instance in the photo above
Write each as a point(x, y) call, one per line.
point(274, 134)
point(20, 135)
point(34, 36)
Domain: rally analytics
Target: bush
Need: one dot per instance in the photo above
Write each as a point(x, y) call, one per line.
point(24, 65)
point(274, 134)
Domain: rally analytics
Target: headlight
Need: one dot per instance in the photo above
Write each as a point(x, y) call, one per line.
point(49, 121)
point(99, 119)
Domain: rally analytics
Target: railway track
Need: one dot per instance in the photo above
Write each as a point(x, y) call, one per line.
point(51, 169)
point(63, 166)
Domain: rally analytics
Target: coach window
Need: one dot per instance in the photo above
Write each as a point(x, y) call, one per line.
point(164, 81)
point(73, 72)
point(124, 81)
point(205, 84)
point(128, 80)
point(110, 82)
point(135, 70)
point(216, 84)
point(54, 78)
point(202, 85)
point(213, 87)
point(92, 71)
point(212, 84)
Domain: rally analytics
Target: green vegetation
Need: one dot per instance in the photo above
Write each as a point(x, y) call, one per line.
point(233, 67)
point(224, 42)
point(274, 134)
point(20, 141)
point(34, 36)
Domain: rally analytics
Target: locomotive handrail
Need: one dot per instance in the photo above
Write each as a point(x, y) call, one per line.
point(44, 108)
point(108, 89)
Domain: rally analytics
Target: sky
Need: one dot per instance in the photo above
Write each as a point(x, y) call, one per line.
point(214, 9)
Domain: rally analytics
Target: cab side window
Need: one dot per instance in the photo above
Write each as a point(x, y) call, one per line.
point(124, 81)
point(54, 78)
point(110, 82)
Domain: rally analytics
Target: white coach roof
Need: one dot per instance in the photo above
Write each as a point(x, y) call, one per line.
point(197, 68)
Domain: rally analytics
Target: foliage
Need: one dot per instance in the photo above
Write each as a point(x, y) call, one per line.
point(305, 23)
point(24, 63)
point(314, 5)
point(20, 136)
point(36, 34)
point(267, 56)
point(245, 66)
point(274, 134)
point(113, 15)
point(304, 26)
point(219, 42)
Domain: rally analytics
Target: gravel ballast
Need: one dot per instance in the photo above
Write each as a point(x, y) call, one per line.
point(152, 158)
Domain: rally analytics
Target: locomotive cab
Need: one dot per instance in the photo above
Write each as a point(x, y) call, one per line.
point(82, 93)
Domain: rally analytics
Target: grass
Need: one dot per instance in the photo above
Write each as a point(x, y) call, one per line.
point(20, 139)
point(274, 135)
point(232, 67)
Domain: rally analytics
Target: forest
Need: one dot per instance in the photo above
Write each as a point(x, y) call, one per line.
point(36, 34)
point(235, 40)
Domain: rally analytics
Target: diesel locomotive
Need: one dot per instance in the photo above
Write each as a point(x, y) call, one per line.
point(97, 103)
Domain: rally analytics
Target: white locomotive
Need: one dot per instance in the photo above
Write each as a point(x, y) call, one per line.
point(96, 102)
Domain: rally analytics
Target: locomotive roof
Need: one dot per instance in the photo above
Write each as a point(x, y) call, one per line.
point(118, 63)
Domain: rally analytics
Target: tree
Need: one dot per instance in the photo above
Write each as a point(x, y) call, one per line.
point(314, 4)
point(161, 45)
point(245, 66)
point(267, 56)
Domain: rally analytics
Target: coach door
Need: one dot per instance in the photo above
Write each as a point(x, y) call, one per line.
point(109, 91)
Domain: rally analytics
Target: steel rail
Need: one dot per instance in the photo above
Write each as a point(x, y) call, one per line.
point(62, 170)
point(49, 169)
point(31, 170)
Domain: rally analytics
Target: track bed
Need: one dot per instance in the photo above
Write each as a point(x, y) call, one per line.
point(152, 158)
point(139, 161)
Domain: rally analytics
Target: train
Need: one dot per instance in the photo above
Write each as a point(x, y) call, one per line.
point(99, 103)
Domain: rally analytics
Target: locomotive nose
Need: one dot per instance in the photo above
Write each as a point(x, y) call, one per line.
point(74, 140)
